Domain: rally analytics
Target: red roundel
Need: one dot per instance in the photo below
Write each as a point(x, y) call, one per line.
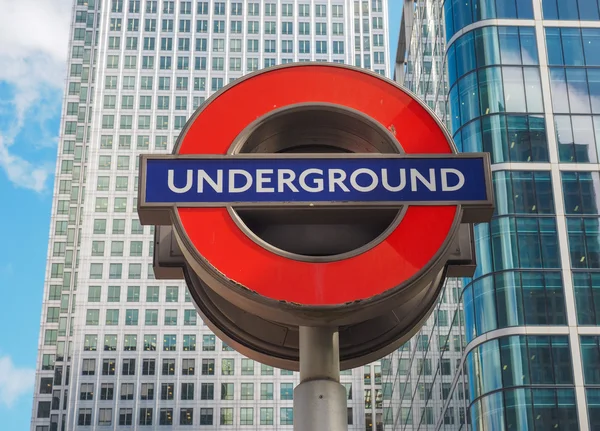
point(395, 260)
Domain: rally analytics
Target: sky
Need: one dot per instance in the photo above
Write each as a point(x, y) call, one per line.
point(32, 79)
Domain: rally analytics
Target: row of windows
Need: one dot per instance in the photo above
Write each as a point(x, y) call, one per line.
point(188, 367)
point(524, 361)
point(133, 294)
point(115, 270)
point(119, 206)
point(236, 8)
point(540, 409)
point(513, 298)
point(495, 89)
point(234, 64)
point(508, 138)
point(187, 391)
point(460, 13)
point(488, 46)
point(161, 142)
point(573, 46)
point(575, 90)
point(118, 227)
point(235, 27)
point(529, 242)
point(186, 416)
point(576, 137)
point(584, 10)
point(132, 318)
point(130, 342)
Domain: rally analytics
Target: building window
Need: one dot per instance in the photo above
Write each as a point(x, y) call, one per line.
point(207, 391)
point(227, 391)
point(186, 416)
point(286, 415)
point(226, 416)
point(206, 416)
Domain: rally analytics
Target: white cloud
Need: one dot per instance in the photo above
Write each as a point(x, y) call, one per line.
point(22, 173)
point(14, 382)
point(33, 53)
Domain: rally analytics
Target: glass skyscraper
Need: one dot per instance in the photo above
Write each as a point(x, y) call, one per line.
point(523, 83)
point(117, 348)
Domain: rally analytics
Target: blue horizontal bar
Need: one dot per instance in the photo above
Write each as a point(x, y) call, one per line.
point(219, 181)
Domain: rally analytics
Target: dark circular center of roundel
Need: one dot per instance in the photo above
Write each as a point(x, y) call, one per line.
point(316, 232)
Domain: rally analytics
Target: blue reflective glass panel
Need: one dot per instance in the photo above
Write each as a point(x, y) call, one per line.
point(579, 99)
point(572, 47)
point(584, 140)
point(593, 401)
point(549, 9)
point(590, 356)
point(591, 46)
point(483, 9)
point(567, 10)
point(554, 46)
point(465, 60)
point(509, 299)
point(524, 9)
point(461, 14)
point(491, 90)
point(518, 410)
point(471, 138)
point(515, 361)
point(587, 296)
point(558, 84)
point(593, 76)
point(514, 90)
point(510, 45)
point(487, 49)
point(468, 93)
point(529, 52)
point(588, 10)
point(506, 9)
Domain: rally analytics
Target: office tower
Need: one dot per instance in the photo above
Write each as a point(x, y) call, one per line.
point(523, 85)
point(118, 348)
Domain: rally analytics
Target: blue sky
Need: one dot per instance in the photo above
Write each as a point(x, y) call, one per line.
point(32, 71)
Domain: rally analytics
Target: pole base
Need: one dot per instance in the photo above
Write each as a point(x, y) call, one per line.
point(320, 405)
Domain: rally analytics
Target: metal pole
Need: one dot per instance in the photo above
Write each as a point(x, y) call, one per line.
point(320, 400)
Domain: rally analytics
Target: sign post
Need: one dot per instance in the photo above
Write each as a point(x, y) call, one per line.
point(314, 211)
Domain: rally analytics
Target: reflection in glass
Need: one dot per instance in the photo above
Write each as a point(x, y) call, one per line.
point(587, 297)
point(593, 401)
point(584, 138)
point(465, 60)
point(519, 298)
point(579, 99)
point(515, 361)
point(581, 192)
point(591, 46)
point(510, 46)
point(514, 91)
point(572, 47)
point(588, 10)
point(491, 92)
point(519, 415)
point(558, 85)
point(471, 138)
point(533, 90)
point(584, 242)
point(529, 51)
point(593, 76)
point(487, 50)
point(469, 97)
point(554, 46)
